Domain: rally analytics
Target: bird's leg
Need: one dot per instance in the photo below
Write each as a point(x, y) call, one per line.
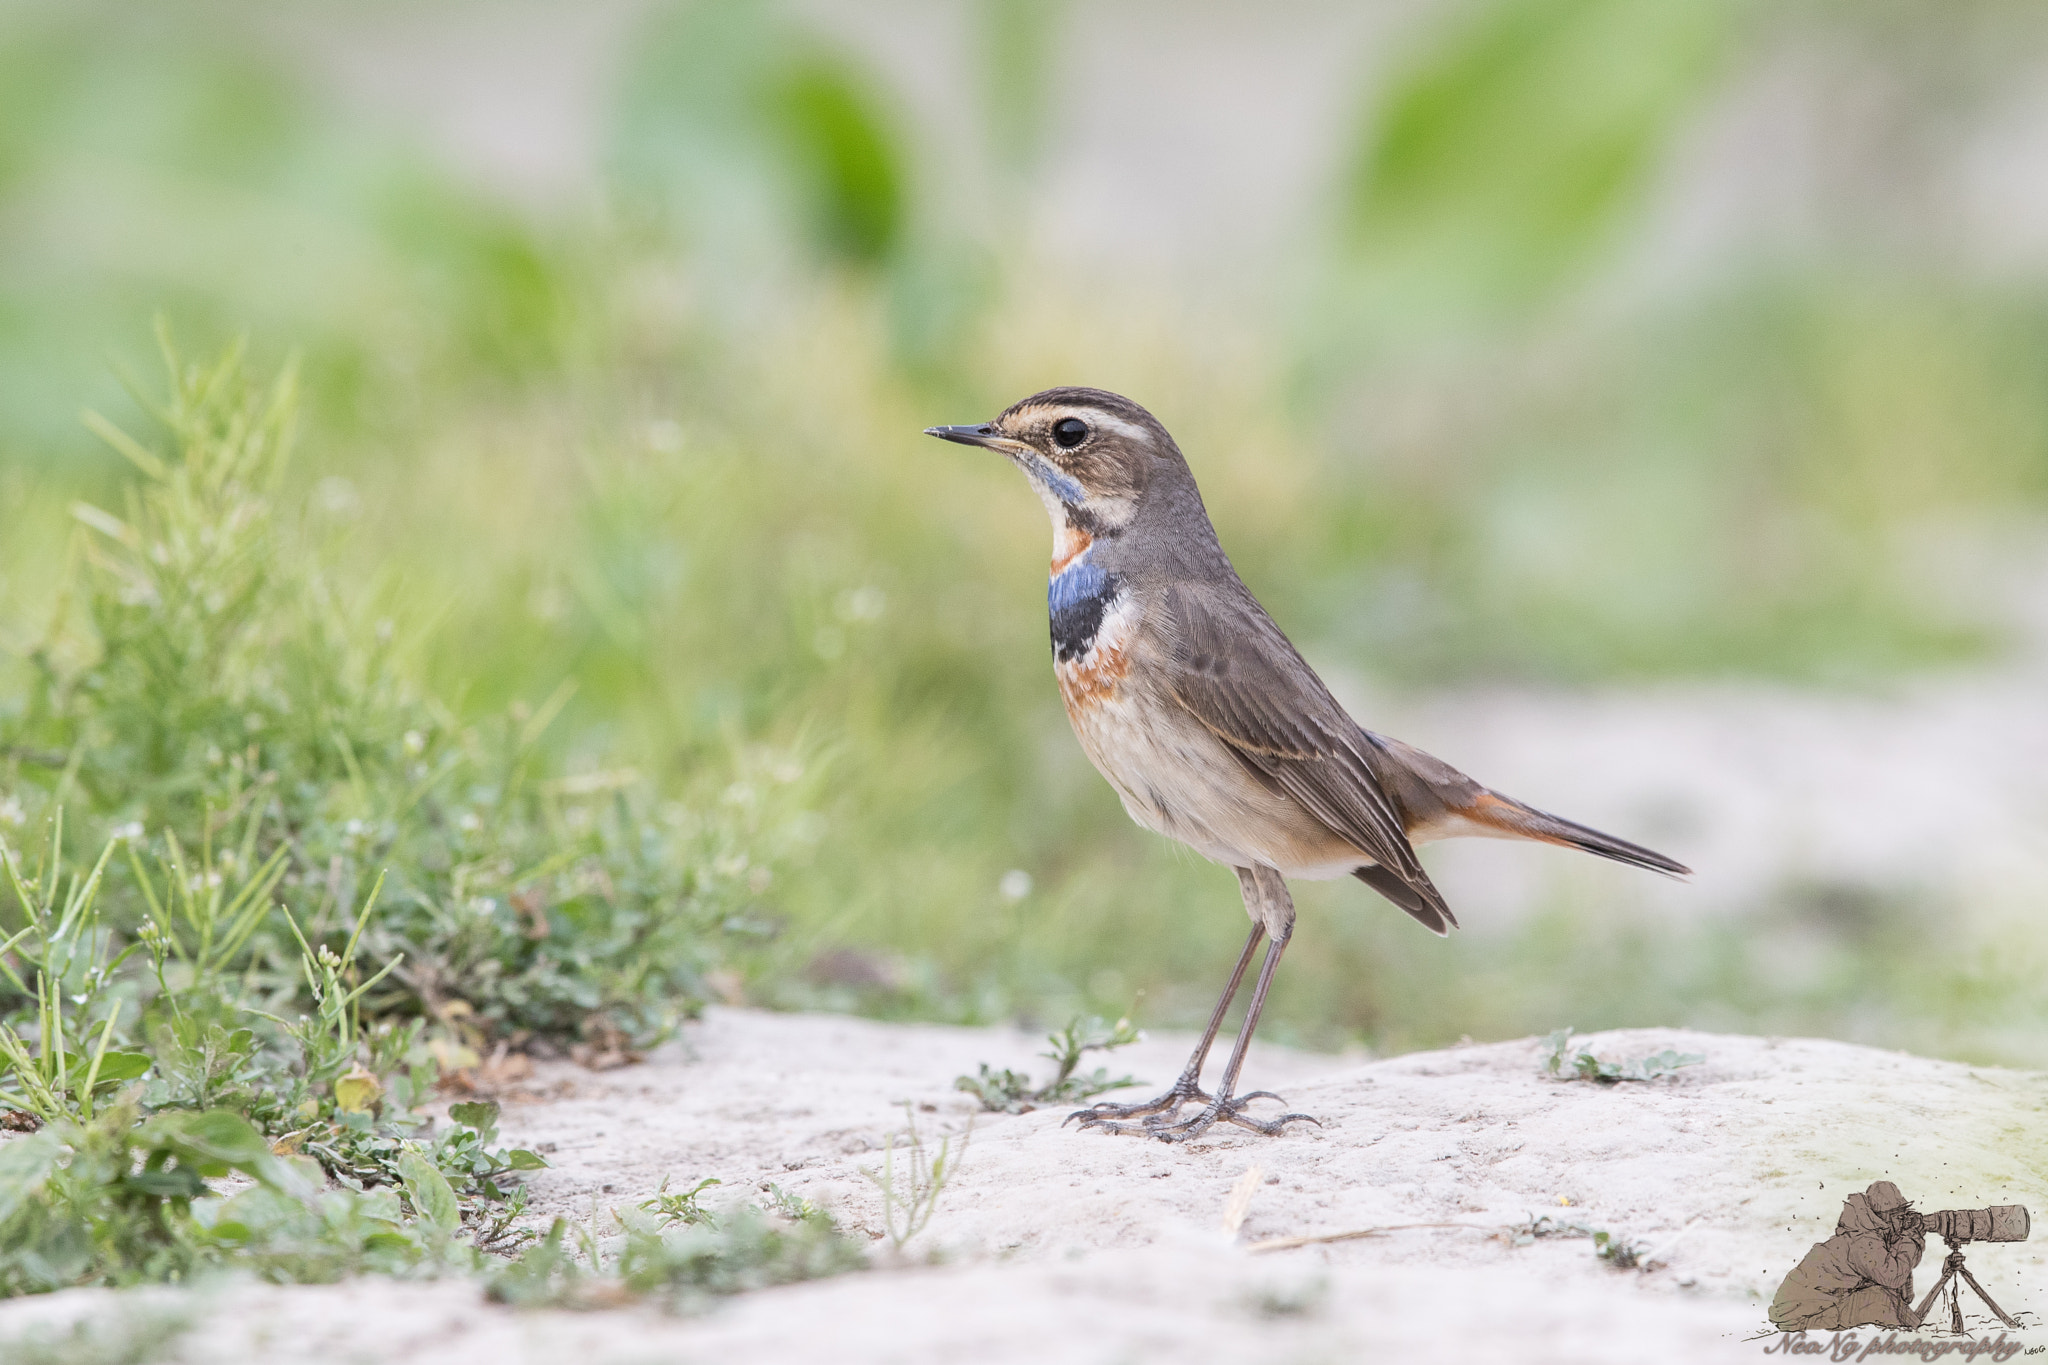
point(1272, 911)
point(1227, 1106)
point(1189, 1086)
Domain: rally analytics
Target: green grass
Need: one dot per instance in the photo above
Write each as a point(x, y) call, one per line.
point(318, 893)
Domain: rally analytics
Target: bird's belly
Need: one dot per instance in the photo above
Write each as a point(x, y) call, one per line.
point(1178, 779)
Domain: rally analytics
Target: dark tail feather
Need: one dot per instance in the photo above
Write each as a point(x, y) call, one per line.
point(1511, 816)
point(1424, 902)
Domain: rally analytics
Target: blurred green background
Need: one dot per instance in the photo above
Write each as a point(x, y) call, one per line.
point(1579, 353)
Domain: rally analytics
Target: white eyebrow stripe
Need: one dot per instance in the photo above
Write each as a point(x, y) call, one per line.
point(1102, 421)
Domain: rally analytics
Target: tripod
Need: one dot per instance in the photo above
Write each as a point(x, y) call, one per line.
point(1950, 1269)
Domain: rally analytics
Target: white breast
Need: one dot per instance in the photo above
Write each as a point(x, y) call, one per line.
point(1175, 777)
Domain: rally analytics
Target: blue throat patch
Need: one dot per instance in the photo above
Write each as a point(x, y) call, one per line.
point(1077, 597)
point(1063, 488)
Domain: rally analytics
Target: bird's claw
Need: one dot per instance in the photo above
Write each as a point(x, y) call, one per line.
point(1161, 1124)
point(1184, 1090)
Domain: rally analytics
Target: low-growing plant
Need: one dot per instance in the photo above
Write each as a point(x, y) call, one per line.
point(124, 1199)
point(1011, 1092)
point(679, 1255)
point(1562, 1060)
point(319, 892)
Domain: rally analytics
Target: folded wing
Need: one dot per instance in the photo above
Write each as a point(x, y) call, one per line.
point(1239, 676)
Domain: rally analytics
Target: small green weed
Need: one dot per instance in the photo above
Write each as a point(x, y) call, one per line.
point(684, 1208)
point(674, 1253)
point(1009, 1092)
point(1562, 1061)
point(910, 1194)
point(1618, 1252)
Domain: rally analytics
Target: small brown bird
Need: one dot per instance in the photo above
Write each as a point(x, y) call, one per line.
point(1210, 725)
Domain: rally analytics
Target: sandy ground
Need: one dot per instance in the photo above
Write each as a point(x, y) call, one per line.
point(1052, 1244)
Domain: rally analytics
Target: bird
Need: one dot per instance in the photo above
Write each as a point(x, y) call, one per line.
point(1213, 729)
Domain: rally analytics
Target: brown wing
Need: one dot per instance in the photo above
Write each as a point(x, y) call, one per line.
point(1241, 678)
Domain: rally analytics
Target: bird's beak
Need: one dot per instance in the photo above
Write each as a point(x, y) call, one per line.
point(982, 435)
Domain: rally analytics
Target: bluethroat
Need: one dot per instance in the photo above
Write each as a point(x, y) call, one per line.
point(1212, 728)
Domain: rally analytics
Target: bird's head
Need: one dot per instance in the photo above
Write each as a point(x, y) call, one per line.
point(1090, 454)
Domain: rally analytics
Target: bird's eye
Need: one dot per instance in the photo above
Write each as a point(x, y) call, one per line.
point(1069, 432)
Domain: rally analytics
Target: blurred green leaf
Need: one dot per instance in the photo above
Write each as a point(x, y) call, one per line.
point(25, 1163)
point(736, 121)
point(114, 1068)
point(481, 1115)
point(430, 1192)
point(357, 1092)
point(846, 161)
point(1503, 155)
point(211, 1143)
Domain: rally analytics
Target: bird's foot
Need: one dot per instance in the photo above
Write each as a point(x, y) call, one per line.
point(1222, 1109)
point(1185, 1089)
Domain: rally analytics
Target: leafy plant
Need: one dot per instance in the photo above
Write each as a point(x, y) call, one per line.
point(123, 1200)
point(1562, 1061)
point(1010, 1092)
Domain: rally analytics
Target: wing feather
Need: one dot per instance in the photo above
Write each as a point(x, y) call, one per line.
point(1239, 676)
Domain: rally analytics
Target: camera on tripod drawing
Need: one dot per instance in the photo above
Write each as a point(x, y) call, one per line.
point(1999, 1223)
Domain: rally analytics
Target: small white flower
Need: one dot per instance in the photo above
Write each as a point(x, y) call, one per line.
point(1015, 885)
point(665, 436)
point(128, 833)
point(415, 744)
point(468, 822)
point(11, 812)
point(337, 497)
point(863, 604)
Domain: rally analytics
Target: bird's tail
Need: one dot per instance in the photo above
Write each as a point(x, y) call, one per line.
point(1515, 820)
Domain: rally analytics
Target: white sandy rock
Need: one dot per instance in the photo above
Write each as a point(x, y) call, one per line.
point(1070, 1246)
